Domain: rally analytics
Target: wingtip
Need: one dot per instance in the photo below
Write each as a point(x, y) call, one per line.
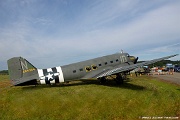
point(175, 55)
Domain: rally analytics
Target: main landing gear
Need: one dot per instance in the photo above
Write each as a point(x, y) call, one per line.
point(103, 80)
point(119, 78)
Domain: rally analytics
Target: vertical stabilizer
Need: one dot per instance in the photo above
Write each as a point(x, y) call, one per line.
point(21, 71)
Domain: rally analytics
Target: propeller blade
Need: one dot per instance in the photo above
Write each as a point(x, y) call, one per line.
point(136, 60)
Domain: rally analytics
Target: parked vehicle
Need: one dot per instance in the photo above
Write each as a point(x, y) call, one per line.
point(176, 68)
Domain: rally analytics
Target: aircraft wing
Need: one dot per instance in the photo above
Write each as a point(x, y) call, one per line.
point(131, 67)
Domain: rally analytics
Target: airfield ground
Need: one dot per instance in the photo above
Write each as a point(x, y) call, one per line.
point(138, 98)
point(175, 78)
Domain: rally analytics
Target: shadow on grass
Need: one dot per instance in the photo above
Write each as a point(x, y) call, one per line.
point(178, 89)
point(125, 85)
point(109, 83)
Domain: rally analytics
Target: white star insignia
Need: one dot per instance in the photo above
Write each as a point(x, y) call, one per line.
point(49, 76)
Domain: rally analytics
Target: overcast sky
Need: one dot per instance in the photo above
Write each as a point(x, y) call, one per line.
point(57, 32)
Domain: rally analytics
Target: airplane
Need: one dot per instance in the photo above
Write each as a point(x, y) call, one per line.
point(119, 64)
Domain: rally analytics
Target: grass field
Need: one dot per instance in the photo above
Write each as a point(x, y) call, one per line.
point(140, 96)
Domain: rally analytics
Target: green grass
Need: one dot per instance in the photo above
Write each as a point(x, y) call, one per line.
point(140, 96)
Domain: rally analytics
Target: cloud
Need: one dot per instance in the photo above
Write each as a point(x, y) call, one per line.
point(160, 51)
point(168, 48)
point(51, 34)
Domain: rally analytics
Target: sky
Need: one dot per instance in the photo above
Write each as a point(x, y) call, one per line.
point(51, 33)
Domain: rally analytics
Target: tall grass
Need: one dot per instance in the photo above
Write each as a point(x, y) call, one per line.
point(141, 96)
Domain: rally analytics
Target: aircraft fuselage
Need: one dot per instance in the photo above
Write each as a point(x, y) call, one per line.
point(85, 69)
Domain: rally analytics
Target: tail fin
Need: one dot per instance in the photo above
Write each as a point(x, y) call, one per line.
point(21, 71)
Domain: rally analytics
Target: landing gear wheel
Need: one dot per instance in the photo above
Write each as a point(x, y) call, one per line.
point(119, 79)
point(103, 80)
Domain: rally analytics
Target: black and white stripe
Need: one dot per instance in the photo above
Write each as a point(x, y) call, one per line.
point(54, 69)
point(51, 75)
point(45, 72)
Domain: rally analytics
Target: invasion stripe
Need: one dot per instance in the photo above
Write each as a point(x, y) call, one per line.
point(45, 73)
point(56, 77)
point(40, 72)
point(61, 77)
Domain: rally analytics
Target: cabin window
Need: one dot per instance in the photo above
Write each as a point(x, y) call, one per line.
point(100, 65)
point(94, 67)
point(111, 61)
point(117, 60)
point(74, 71)
point(88, 69)
point(80, 69)
point(105, 63)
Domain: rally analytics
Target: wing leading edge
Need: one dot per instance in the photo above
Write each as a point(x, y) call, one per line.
point(121, 69)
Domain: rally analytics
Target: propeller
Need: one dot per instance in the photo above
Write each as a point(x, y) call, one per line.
point(135, 61)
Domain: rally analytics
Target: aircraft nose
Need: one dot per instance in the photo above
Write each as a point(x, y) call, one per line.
point(134, 59)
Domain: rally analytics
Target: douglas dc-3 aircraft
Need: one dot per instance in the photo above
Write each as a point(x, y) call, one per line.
point(23, 72)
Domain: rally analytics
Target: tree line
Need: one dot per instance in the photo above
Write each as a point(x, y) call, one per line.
point(4, 72)
point(163, 63)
